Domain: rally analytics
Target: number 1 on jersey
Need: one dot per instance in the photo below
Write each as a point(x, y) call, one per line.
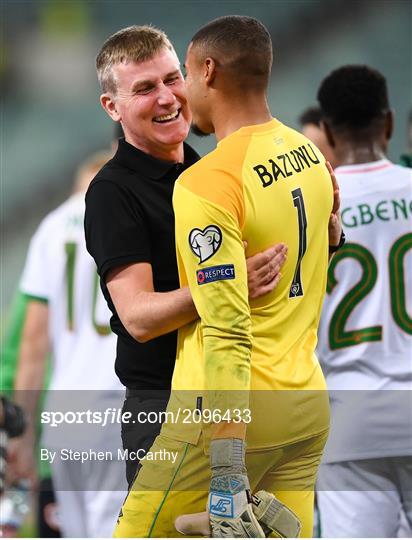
point(296, 288)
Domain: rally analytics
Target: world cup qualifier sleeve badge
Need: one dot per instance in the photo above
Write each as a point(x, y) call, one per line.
point(204, 244)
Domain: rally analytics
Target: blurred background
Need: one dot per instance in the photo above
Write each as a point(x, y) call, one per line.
point(51, 118)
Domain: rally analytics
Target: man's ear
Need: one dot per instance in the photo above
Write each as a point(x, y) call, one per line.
point(389, 124)
point(109, 105)
point(328, 132)
point(209, 71)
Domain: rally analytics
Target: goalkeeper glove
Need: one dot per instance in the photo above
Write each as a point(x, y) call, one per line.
point(230, 508)
point(272, 515)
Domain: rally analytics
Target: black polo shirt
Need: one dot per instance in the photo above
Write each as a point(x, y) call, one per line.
point(129, 218)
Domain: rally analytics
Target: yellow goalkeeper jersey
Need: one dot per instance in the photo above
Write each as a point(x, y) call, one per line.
point(263, 184)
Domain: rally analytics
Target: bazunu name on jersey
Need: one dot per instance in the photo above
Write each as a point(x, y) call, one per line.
point(287, 164)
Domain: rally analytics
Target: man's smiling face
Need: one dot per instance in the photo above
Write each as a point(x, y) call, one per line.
point(151, 103)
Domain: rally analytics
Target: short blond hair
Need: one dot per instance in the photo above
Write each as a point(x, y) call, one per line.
point(131, 44)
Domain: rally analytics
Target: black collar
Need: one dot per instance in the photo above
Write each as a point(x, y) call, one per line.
point(137, 160)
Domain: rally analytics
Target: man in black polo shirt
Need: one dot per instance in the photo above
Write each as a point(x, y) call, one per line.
point(129, 221)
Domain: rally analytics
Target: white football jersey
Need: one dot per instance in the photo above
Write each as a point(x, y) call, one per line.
point(365, 334)
point(59, 270)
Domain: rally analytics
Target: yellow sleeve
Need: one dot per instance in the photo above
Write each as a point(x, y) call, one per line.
point(210, 248)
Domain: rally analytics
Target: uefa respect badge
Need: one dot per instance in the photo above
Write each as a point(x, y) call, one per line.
point(215, 273)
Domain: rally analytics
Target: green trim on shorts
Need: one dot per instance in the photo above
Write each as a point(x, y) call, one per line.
point(317, 532)
point(167, 492)
point(32, 297)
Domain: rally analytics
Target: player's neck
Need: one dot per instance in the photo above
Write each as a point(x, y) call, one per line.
point(239, 111)
point(357, 152)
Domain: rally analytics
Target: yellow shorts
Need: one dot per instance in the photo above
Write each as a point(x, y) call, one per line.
point(176, 481)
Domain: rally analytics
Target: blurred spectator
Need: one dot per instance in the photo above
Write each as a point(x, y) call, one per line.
point(66, 310)
point(12, 424)
point(406, 159)
point(311, 126)
point(46, 524)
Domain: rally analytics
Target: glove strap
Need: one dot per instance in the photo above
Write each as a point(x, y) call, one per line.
point(227, 453)
point(227, 460)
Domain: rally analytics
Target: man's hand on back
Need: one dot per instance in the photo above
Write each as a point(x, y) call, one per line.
point(263, 269)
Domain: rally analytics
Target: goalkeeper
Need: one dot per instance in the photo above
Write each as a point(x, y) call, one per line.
point(253, 365)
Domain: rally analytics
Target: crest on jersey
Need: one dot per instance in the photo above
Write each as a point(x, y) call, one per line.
point(204, 244)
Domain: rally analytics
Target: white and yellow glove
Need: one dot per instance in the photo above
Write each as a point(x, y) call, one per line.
point(231, 510)
point(230, 502)
point(273, 516)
